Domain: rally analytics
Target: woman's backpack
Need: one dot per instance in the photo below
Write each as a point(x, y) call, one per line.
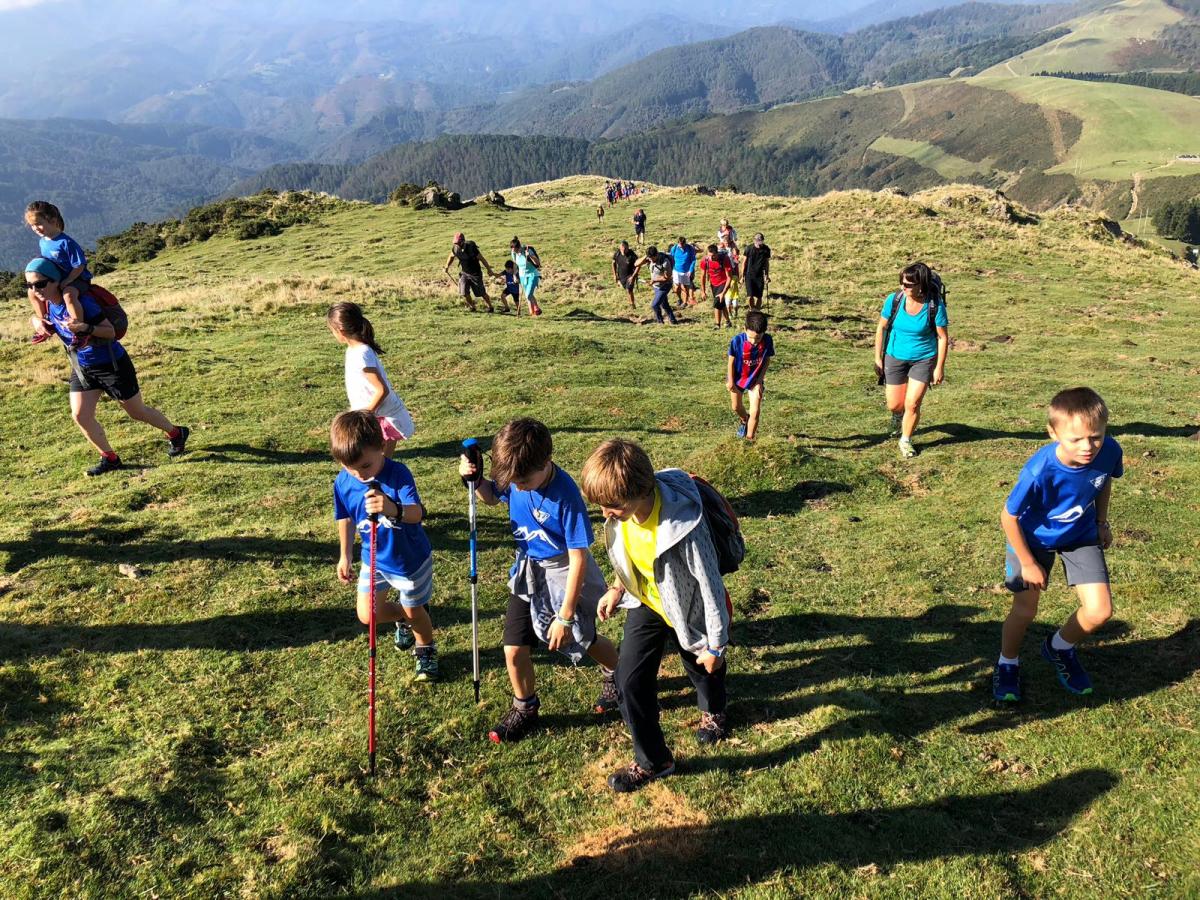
point(112, 309)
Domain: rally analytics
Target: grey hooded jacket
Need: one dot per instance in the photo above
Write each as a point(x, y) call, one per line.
point(685, 566)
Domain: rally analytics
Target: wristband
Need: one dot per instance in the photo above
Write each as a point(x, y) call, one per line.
point(718, 653)
point(567, 622)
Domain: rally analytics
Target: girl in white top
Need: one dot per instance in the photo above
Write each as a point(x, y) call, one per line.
point(367, 385)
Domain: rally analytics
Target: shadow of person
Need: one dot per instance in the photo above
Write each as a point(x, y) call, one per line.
point(685, 860)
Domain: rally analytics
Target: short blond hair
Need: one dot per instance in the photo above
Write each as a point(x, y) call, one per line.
point(1080, 402)
point(618, 472)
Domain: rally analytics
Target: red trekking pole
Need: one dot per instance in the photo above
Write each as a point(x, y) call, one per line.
point(371, 632)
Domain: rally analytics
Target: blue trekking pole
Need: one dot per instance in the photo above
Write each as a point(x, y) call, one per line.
point(374, 517)
point(474, 455)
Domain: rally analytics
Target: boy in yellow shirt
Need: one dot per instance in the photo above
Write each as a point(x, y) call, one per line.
point(668, 577)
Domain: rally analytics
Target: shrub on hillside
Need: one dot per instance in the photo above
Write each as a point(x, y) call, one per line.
point(137, 243)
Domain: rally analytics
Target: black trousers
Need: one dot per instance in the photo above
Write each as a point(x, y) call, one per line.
point(646, 637)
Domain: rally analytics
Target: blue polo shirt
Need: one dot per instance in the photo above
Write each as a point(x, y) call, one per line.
point(400, 548)
point(684, 257)
point(549, 522)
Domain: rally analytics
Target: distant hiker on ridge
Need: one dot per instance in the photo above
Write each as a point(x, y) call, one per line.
point(639, 226)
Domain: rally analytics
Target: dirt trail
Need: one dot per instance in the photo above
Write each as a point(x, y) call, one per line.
point(910, 103)
point(1057, 140)
point(1137, 184)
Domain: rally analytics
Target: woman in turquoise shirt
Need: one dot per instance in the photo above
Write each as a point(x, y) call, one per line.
point(915, 353)
point(529, 268)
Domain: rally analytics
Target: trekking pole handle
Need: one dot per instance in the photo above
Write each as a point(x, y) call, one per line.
point(374, 517)
point(474, 455)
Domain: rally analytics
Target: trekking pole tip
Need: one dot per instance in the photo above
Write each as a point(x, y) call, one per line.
point(476, 691)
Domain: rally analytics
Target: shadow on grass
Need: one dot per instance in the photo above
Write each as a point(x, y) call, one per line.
point(795, 498)
point(235, 632)
point(958, 433)
point(943, 646)
point(725, 856)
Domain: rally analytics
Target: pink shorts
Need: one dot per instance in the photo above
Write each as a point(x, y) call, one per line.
point(390, 431)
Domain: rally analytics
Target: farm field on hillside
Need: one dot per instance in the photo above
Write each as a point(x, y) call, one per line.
point(200, 730)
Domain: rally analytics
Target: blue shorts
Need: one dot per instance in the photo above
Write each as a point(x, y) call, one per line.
point(410, 592)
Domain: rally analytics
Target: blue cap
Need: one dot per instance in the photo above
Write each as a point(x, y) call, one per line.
point(43, 266)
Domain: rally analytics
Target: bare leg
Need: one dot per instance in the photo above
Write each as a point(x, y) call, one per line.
point(739, 409)
point(1095, 608)
point(418, 620)
point(1024, 609)
point(520, 671)
point(604, 652)
point(895, 397)
point(137, 409)
point(912, 406)
point(83, 413)
point(756, 396)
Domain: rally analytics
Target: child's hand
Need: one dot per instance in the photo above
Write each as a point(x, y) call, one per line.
point(345, 570)
point(608, 603)
point(374, 502)
point(729, 384)
point(466, 468)
point(711, 663)
point(1033, 576)
point(1106, 537)
point(559, 635)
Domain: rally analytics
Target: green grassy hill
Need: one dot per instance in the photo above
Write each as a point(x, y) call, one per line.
point(200, 730)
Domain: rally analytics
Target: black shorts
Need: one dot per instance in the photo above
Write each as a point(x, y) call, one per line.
point(639, 229)
point(755, 285)
point(471, 284)
point(629, 283)
point(119, 381)
point(718, 298)
point(518, 624)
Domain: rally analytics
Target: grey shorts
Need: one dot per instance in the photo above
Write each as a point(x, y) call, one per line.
point(471, 284)
point(1083, 565)
point(899, 371)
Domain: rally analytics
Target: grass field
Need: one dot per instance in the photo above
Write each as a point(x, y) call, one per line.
point(200, 730)
point(1100, 41)
point(1126, 129)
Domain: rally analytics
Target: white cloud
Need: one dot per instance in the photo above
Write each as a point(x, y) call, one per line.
point(10, 5)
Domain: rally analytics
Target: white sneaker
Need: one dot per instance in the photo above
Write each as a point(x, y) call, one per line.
point(907, 450)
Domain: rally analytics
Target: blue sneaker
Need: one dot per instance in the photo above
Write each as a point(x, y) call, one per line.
point(742, 429)
point(404, 639)
point(1006, 683)
point(1066, 664)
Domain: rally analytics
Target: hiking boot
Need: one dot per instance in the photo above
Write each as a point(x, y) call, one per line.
point(39, 337)
point(897, 422)
point(517, 723)
point(178, 443)
point(741, 429)
point(404, 639)
point(712, 728)
point(1006, 683)
point(635, 777)
point(1071, 674)
point(606, 701)
point(427, 663)
point(105, 465)
point(907, 450)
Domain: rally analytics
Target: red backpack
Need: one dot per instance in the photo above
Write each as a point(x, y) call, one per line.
point(112, 309)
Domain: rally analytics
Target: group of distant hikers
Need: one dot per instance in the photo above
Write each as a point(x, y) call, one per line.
point(670, 536)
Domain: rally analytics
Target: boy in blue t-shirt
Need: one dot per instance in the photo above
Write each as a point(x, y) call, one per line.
point(512, 286)
point(403, 554)
point(554, 583)
point(61, 249)
point(749, 355)
point(1060, 506)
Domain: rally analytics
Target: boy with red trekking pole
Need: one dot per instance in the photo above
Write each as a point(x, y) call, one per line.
point(376, 497)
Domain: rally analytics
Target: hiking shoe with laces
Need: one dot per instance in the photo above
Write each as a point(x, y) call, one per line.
point(517, 723)
point(1006, 683)
point(635, 777)
point(427, 663)
point(741, 429)
point(907, 450)
point(1071, 674)
point(897, 422)
point(606, 701)
point(105, 465)
point(178, 443)
point(39, 337)
point(712, 728)
point(404, 639)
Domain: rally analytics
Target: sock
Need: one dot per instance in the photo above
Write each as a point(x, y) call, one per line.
point(1005, 661)
point(111, 456)
point(1057, 642)
point(174, 433)
point(607, 673)
point(527, 704)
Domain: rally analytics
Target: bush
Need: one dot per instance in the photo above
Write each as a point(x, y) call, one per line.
point(1179, 220)
point(249, 229)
